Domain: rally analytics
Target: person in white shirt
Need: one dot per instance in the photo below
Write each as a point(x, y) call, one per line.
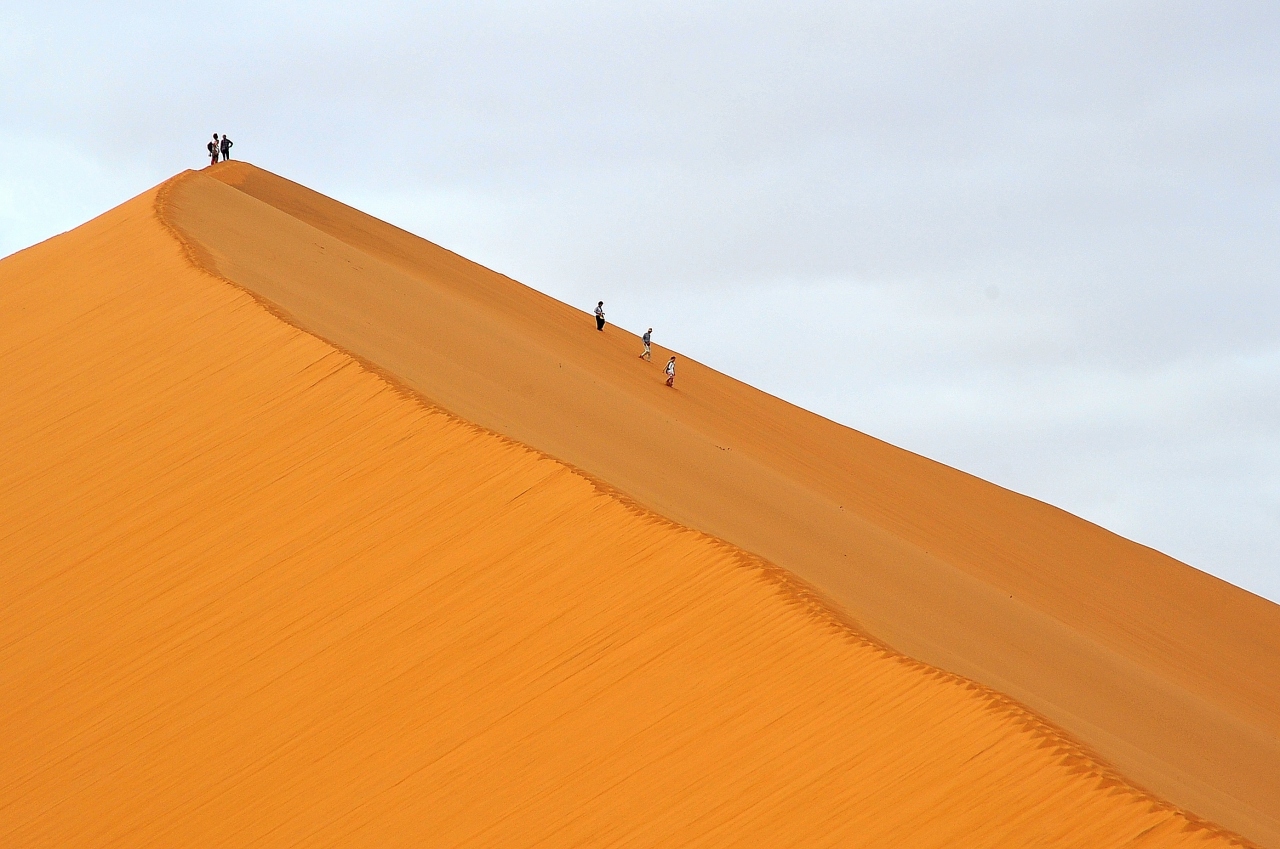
point(671, 372)
point(600, 316)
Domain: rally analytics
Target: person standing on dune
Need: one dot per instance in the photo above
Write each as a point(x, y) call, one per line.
point(600, 316)
point(647, 356)
point(226, 147)
point(671, 372)
point(212, 147)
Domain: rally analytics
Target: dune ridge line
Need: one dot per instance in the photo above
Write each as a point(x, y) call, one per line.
point(253, 593)
point(1108, 638)
point(791, 589)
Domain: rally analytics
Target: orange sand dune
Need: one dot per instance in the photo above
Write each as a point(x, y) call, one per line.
point(254, 594)
point(1173, 675)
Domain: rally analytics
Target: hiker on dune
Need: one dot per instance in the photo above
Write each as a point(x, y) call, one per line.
point(212, 147)
point(600, 316)
point(671, 372)
point(647, 356)
point(226, 147)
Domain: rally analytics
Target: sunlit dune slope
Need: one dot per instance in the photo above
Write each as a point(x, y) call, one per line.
point(253, 594)
point(1172, 674)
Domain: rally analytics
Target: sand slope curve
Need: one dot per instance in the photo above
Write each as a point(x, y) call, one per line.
point(1172, 674)
point(255, 594)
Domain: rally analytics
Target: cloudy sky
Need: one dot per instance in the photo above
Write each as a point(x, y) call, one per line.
point(1037, 241)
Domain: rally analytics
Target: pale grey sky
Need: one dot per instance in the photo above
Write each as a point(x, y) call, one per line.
point(1036, 241)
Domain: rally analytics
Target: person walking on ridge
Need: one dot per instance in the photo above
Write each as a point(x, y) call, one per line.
point(212, 147)
point(647, 356)
point(600, 316)
point(671, 372)
point(226, 147)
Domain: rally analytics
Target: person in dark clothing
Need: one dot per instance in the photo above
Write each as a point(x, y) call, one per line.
point(647, 354)
point(600, 316)
point(212, 147)
point(226, 148)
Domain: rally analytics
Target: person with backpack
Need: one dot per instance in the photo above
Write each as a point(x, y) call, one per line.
point(213, 149)
point(671, 372)
point(600, 316)
point(226, 147)
point(647, 355)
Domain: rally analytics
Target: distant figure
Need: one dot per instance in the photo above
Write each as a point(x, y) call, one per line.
point(226, 147)
point(671, 372)
point(600, 316)
point(212, 147)
point(647, 355)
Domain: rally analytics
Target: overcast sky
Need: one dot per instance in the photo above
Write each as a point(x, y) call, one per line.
point(1037, 241)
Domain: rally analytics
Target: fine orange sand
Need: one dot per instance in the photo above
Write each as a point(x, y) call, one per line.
point(1173, 675)
point(257, 593)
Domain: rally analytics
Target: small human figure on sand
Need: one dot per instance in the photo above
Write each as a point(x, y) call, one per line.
point(671, 372)
point(226, 147)
point(600, 316)
point(647, 356)
point(214, 149)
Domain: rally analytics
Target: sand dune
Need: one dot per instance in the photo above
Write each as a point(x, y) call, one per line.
point(1170, 673)
point(255, 592)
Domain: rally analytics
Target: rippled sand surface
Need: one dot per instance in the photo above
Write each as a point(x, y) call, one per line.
point(256, 592)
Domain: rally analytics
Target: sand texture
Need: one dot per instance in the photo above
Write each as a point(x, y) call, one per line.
point(1171, 674)
point(256, 592)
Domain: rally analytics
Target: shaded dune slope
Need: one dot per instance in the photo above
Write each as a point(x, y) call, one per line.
point(1170, 673)
point(253, 594)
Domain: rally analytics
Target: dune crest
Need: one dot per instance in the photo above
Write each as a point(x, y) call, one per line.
point(256, 594)
point(1171, 674)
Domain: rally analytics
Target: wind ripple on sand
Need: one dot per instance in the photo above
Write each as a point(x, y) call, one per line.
point(255, 595)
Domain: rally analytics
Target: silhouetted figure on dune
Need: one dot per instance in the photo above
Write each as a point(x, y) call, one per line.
point(214, 149)
point(226, 147)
